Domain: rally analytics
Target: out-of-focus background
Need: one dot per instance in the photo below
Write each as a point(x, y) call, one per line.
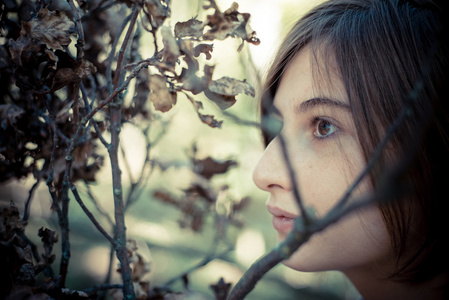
point(172, 250)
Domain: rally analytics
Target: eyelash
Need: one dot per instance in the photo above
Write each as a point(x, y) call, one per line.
point(315, 121)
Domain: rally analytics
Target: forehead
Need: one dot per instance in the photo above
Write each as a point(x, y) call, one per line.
point(310, 74)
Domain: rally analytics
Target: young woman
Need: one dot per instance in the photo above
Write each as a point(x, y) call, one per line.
point(346, 73)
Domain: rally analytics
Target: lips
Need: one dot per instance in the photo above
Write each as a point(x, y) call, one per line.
point(283, 221)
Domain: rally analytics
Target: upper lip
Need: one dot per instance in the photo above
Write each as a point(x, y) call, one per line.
point(279, 212)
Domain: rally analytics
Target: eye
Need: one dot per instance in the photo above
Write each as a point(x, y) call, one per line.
point(324, 128)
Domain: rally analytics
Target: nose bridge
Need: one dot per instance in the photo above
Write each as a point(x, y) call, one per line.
point(271, 170)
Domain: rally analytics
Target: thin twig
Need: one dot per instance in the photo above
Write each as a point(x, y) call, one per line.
point(79, 27)
point(102, 287)
point(97, 129)
point(89, 214)
point(206, 260)
point(97, 205)
point(26, 213)
point(119, 210)
point(292, 175)
point(121, 55)
point(64, 225)
point(112, 53)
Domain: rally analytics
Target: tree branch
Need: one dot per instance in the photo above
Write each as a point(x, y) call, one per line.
point(119, 209)
point(26, 213)
point(89, 214)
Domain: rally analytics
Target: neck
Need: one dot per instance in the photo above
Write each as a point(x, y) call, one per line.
point(375, 288)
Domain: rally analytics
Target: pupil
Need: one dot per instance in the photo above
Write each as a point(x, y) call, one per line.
point(324, 128)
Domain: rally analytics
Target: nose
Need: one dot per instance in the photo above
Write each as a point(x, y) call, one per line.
point(271, 172)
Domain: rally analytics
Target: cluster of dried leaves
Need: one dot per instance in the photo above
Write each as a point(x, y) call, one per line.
point(200, 199)
point(66, 68)
point(20, 258)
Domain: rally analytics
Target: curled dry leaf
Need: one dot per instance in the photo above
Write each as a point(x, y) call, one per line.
point(230, 23)
point(171, 50)
point(203, 48)
point(210, 120)
point(52, 28)
point(199, 190)
point(191, 28)
point(194, 205)
point(140, 269)
point(231, 87)
point(209, 167)
point(49, 238)
point(156, 11)
point(224, 90)
point(206, 119)
point(163, 99)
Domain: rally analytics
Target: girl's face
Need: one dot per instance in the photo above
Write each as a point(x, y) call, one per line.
point(325, 154)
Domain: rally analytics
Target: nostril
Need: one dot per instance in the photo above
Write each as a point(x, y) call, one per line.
point(273, 185)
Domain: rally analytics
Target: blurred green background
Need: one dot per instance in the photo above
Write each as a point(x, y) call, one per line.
point(170, 249)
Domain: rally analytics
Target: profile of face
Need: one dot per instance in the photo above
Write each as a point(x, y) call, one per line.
point(325, 154)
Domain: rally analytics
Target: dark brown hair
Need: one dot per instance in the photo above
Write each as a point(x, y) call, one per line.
point(391, 55)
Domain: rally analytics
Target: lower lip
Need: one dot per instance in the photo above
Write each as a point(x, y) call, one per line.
point(283, 224)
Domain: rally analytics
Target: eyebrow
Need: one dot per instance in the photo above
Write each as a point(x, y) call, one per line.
point(321, 101)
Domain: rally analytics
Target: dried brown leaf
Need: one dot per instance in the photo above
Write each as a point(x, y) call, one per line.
point(222, 101)
point(230, 23)
point(231, 87)
point(224, 90)
point(163, 99)
point(156, 11)
point(171, 50)
point(140, 269)
point(49, 238)
point(210, 120)
point(221, 289)
point(203, 48)
point(10, 222)
point(52, 28)
point(165, 197)
point(191, 28)
point(9, 114)
point(196, 190)
point(209, 167)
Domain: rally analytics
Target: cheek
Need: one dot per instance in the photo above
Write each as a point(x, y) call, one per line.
point(359, 240)
point(324, 181)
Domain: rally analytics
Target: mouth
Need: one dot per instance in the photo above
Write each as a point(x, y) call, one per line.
point(283, 221)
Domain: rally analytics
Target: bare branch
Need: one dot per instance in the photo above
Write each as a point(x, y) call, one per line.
point(26, 213)
point(79, 28)
point(89, 214)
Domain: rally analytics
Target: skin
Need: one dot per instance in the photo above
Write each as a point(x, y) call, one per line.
point(325, 154)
